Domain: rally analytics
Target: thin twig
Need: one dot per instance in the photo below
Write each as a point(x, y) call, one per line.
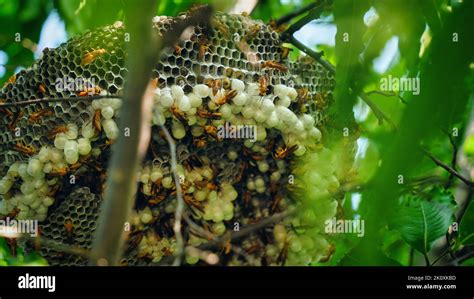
point(454, 158)
point(449, 169)
point(288, 17)
point(59, 247)
point(377, 112)
point(178, 215)
point(313, 54)
point(387, 94)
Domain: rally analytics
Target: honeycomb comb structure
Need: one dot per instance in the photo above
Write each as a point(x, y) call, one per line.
point(236, 49)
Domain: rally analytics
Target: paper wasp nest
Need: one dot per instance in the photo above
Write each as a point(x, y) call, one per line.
point(54, 155)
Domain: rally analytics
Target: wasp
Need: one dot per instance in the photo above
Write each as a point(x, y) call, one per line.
point(60, 172)
point(247, 196)
point(11, 80)
point(5, 110)
point(15, 118)
point(42, 89)
point(53, 191)
point(96, 122)
point(203, 47)
point(285, 51)
point(69, 228)
point(36, 117)
point(61, 129)
point(178, 114)
point(190, 200)
point(90, 91)
point(214, 84)
point(177, 50)
point(134, 240)
point(331, 250)
point(228, 95)
point(254, 156)
point(211, 115)
point(91, 56)
point(284, 152)
point(212, 131)
point(278, 28)
point(252, 31)
point(320, 100)
point(156, 200)
point(302, 98)
point(263, 83)
point(25, 149)
point(193, 161)
point(281, 259)
point(200, 142)
point(276, 203)
point(272, 64)
point(221, 27)
point(243, 166)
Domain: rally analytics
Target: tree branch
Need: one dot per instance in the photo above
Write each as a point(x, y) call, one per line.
point(449, 169)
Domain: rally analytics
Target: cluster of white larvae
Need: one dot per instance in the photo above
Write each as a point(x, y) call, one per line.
point(36, 190)
point(155, 247)
point(248, 107)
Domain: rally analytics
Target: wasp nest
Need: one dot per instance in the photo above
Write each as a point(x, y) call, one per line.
point(240, 112)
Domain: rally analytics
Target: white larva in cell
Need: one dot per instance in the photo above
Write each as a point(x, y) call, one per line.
point(35, 204)
point(27, 187)
point(48, 167)
point(60, 140)
point(197, 131)
point(116, 103)
point(285, 102)
point(192, 111)
point(96, 152)
point(232, 155)
point(263, 166)
point(12, 172)
point(35, 167)
point(212, 106)
point(202, 90)
point(70, 146)
point(308, 121)
point(5, 185)
point(56, 155)
point(195, 100)
point(292, 93)
point(23, 171)
point(84, 146)
point(300, 150)
point(192, 119)
point(167, 182)
point(280, 90)
point(226, 111)
point(261, 133)
point(43, 154)
point(28, 199)
point(158, 118)
point(260, 116)
point(47, 201)
point(240, 99)
point(167, 100)
point(177, 92)
point(72, 131)
point(248, 112)
point(96, 104)
point(267, 106)
point(39, 183)
point(315, 133)
point(272, 120)
point(72, 157)
point(184, 104)
point(299, 126)
point(42, 209)
point(111, 129)
point(87, 130)
point(178, 130)
point(252, 89)
point(107, 112)
point(238, 85)
point(156, 95)
point(156, 175)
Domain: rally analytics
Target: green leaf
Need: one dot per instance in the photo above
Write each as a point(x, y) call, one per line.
point(422, 223)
